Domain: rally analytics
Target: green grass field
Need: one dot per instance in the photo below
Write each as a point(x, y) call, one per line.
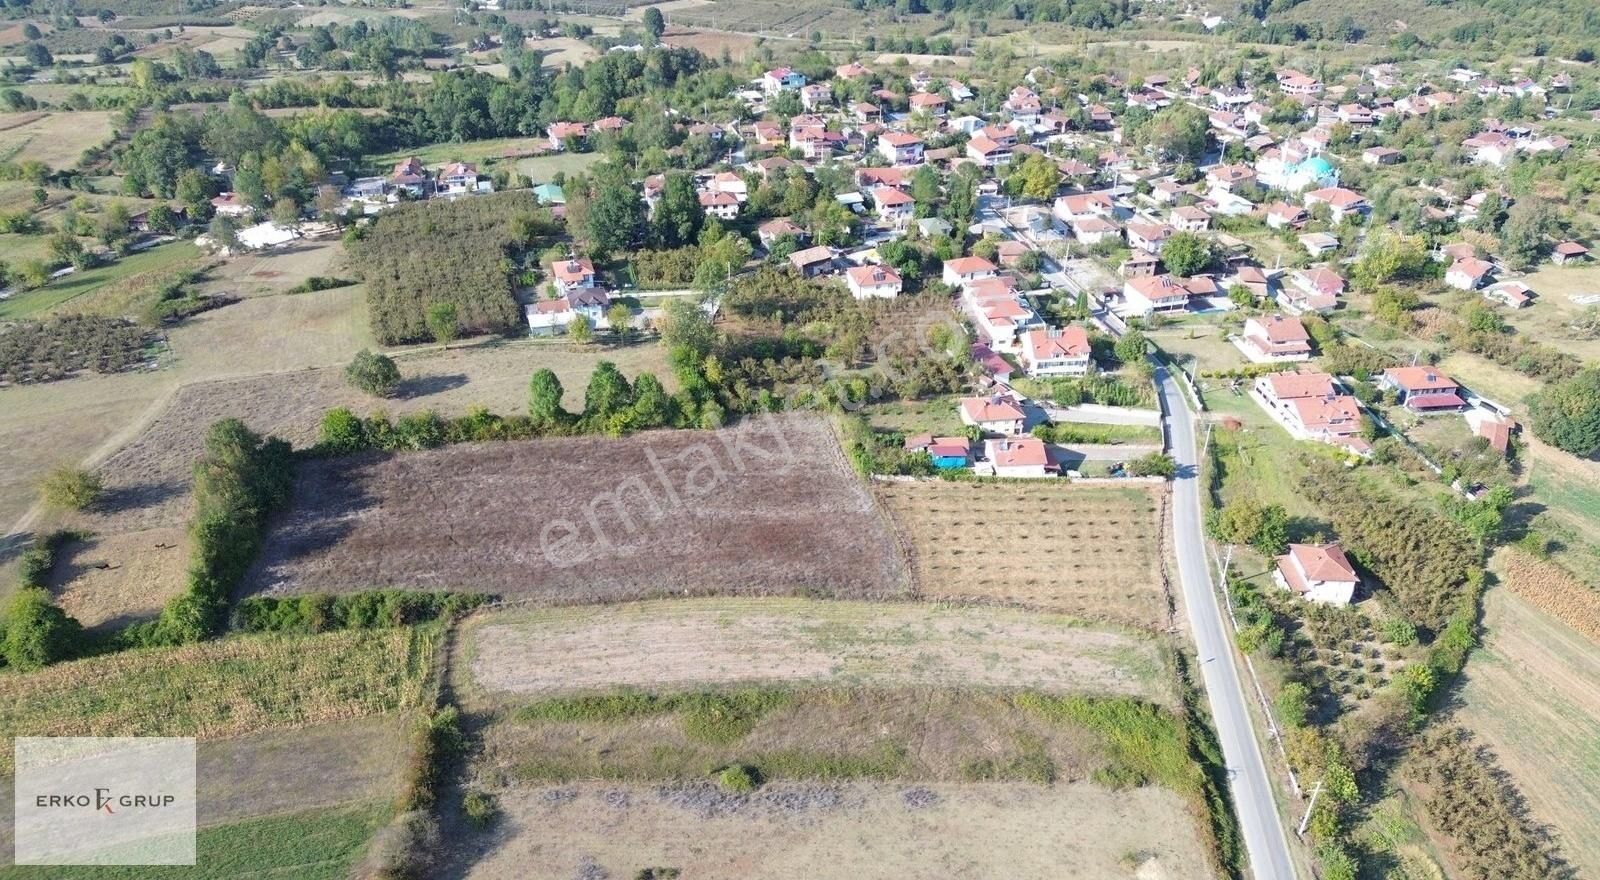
point(311, 845)
point(70, 287)
point(488, 154)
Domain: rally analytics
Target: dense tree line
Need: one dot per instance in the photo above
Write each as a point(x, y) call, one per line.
point(460, 252)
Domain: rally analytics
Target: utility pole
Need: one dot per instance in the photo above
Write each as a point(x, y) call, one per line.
point(1306, 820)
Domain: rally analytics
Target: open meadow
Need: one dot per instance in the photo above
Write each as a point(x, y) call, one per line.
point(714, 641)
point(591, 518)
point(1532, 694)
point(1093, 552)
point(56, 139)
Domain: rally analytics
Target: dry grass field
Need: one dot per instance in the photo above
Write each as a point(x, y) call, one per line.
point(1533, 694)
point(843, 832)
point(1093, 552)
point(56, 139)
point(592, 518)
point(710, 641)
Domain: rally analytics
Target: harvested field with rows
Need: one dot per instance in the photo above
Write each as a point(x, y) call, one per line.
point(769, 507)
point(1093, 552)
point(716, 641)
point(1549, 588)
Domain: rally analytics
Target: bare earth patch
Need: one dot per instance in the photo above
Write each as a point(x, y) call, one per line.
point(716, 641)
point(1089, 551)
point(769, 507)
point(843, 832)
point(110, 580)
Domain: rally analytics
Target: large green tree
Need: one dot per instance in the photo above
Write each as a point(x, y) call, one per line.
point(1567, 414)
point(1185, 254)
point(608, 393)
point(544, 399)
point(678, 215)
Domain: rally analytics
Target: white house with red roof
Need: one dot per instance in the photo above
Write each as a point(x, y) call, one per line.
point(853, 70)
point(1468, 273)
point(900, 147)
point(1317, 573)
point(876, 281)
point(962, 271)
point(931, 103)
point(1149, 237)
point(987, 152)
point(562, 132)
point(1511, 294)
point(1423, 389)
point(571, 274)
point(1341, 202)
point(230, 205)
point(1274, 339)
point(1063, 351)
point(995, 414)
point(1153, 294)
point(1017, 457)
point(782, 79)
point(721, 205)
point(893, 205)
point(816, 95)
point(1313, 289)
point(1312, 406)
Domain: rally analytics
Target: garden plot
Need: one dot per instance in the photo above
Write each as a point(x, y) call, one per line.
point(1093, 552)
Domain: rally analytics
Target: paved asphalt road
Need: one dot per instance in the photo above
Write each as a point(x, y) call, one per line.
point(1265, 840)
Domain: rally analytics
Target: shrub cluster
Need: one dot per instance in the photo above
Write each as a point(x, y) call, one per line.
point(34, 632)
point(369, 610)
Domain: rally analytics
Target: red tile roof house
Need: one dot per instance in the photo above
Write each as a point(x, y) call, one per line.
point(1018, 457)
point(1492, 427)
point(1470, 273)
point(1317, 573)
point(866, 282)
point(1315, 289)
point(1512, 294)
point(1148, 295)
point(994, 414)
point(1340, 201)
point(1312, 407)
point(965, 270)
point(572, 274)
point(993, 365)
point(894, 206)
point(1275, 339)
point(1057, 352)
point(1424, 389)
point(1569, 252)
point(900, 148)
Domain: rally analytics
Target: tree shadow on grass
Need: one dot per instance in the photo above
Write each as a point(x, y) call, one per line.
point(423, 386)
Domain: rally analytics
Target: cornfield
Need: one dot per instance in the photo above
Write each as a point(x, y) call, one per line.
point(217, 689)
point(1554, 592)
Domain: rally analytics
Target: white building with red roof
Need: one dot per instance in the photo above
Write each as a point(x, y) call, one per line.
point(1148, 295)
point(995, 414)
point(869, 282)
point(1341, 202)
point(962, 271)
point(1017, 457)
point(1317, 573)
point(1423, 389)
point(1310, 405)
point(900, 147)
point(1274, 339)
point(1468, 273)
point(571, 274)
point(1061, 351)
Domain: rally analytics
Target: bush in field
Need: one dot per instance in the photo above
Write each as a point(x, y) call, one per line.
point(739, 778)
point(70, 488)
point(37, 633)
point(373, 373)
point(480, 808)
point(403, 849)
point(1156, 464)
point(341, 432)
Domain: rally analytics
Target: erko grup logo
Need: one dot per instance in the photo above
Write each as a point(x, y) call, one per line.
point(104, 800)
